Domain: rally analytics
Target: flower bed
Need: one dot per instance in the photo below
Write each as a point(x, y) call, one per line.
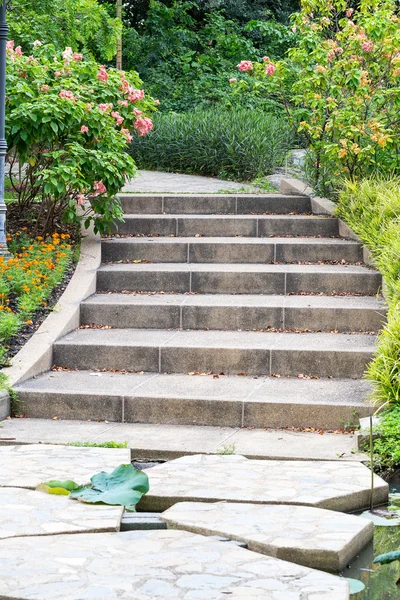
point(27, 280)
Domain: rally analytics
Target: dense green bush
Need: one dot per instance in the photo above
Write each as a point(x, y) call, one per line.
point(387, 445)
point(186, 62)
point(82, 24)
point(236, 144)
point(372, 210)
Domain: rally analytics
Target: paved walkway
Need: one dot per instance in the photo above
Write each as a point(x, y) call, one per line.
point(269, 547)
point(158, 182)
point(171, 441)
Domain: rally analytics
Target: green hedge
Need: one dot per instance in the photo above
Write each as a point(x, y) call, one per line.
point(372, 209)
point(229, 144)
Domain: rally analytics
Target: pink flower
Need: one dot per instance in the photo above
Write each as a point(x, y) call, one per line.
point(88, 106)
point(117, 117)
point(339, 50)
point(10, 45)
point(270, 69)
point(330, 56)
point(123, 103)
point(77, 57)
point(367, 46)
point(245, 65)
point(99, 187)
point(105, 107)
point(266, 58)
point(81, 200)
point(67, 55)
point(84, 129)
point(124, 84)
point(137, 112)
point(156, 102)
point(59, 73)
point(143, 126)
point(233, 80)
point(102, 74)
point(127, 135)
point(134, 95)
point(44, 88)
point(67, 94)
point(349, 12)
point(18, 51)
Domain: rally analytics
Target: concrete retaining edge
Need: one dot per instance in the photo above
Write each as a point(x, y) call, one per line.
point(36, 356)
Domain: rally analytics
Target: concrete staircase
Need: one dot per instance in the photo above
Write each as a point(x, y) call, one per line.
point(223, 310)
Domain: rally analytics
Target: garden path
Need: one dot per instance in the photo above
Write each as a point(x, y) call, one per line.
point(230, 311)
point(164, 183)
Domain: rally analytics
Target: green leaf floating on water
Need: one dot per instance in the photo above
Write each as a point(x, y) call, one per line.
point(389, 557)
point(356, 586)
point(124, 486)
point(60, 488)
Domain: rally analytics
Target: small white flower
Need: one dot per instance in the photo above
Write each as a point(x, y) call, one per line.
point(37, 43)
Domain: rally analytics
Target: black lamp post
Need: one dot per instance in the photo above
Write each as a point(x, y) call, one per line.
point(3, 144)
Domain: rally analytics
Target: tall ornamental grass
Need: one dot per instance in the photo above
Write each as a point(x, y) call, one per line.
point(372, 209)
point(230, 144)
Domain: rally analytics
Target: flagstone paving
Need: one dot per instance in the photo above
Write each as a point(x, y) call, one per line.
point(342, 486)
point(27, 466)
point(153, 564)
point(314, 537)
point(28, 513)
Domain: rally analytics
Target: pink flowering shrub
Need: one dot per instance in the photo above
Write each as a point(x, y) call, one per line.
point(344, 76)
point(69, 121)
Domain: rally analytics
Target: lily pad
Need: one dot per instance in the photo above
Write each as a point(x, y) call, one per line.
point(389, 557)
point(356, 586)
point(60, 488)
point(381, 520)
point(124, 486)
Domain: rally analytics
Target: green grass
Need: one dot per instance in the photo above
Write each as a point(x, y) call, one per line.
point(372, 209)
point(229, 144)
point(110, 444)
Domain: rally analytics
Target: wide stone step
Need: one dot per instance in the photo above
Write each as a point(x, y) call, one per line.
point(228, 401)
point(252, 353)
point(217, 278)
point(230, 250)
point(229, 225)
point(222, 311)
point(214, 203)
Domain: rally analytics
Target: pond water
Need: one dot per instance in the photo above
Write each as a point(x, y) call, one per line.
point(379, 580)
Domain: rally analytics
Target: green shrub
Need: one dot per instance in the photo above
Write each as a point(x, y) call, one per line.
point(236, 144)
point(387, 445)
point(372, 209)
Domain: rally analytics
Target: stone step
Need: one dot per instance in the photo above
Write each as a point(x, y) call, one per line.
point(229, 225)
point(253, 353)
point(222, 311)
point(214, 203)
point(228, 401)
point(217, 278)
point(163, 442)
point(230, 250)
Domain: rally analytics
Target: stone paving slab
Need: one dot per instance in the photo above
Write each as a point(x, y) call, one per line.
point(27, 466)
point(30, 513)
point(341, 486)
point(173, 441)
point(313, 537)
point(145, 565)
point(156, 181)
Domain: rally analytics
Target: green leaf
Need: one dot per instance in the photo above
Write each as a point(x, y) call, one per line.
point(124, 486)
point(356, 586)
point(60, 488)
point(389, 557)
